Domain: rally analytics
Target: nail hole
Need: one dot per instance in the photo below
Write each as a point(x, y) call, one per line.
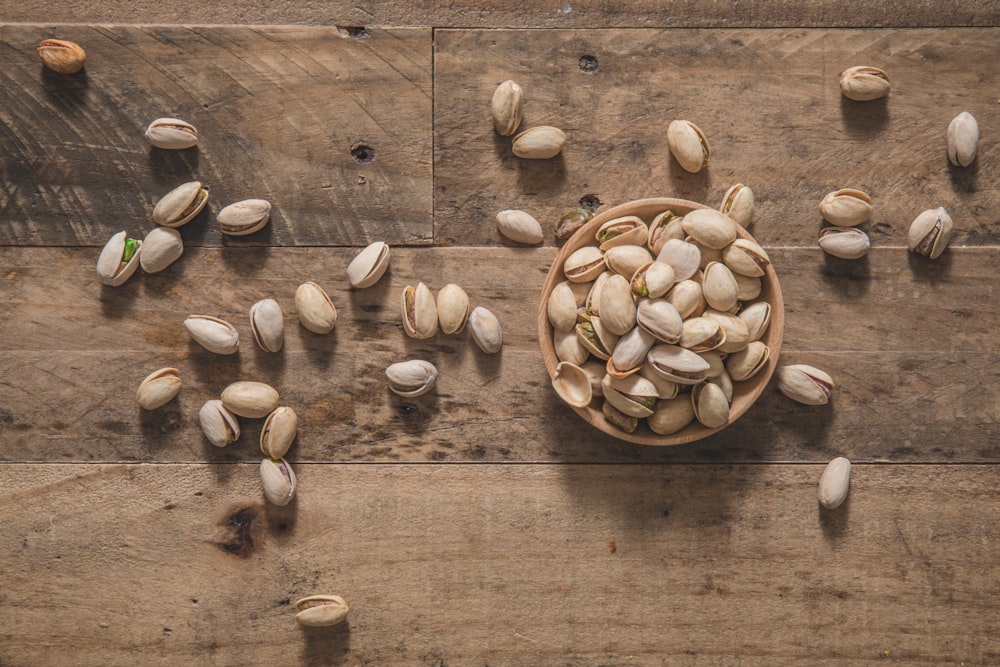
point(588, 64)
point(362, 154)
point(355, 31)
point(590, 202)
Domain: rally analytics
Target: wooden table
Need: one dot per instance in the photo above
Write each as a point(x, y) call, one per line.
point(484, 523)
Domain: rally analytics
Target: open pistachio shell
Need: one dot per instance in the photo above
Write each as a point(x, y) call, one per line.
point(671, 415)
point(158, 388)
point(172, 134)
point(453, 309)
point(864, 83)
point(213, 334)
point(584, 264)
point(253, 400)
point(411, 378)
point(315, 308)
point(244, 217)
point(572, 384)
point(963, 139)
point(118, 259)
point(506, 105)
point(180, 206)
point(677, 364)
point(749, 361)
point(653, 280)
point(268, 325)
point(701, 333)
point(630, 353)
point(321, 610)
point(634, 395)
point(619, 419)
point(279, 432)
point(162, 247)
point(930, 232)
point(485, 330)
point(846, 207)
point(520, 227)
point(738, 204)
point(628, 230)
point(844, 242)
point(419, 311)
point(688, 145)
point(62, 56)
point(805, 384)
point(660, 318)
point(665, 226)
point(369, 265)
point(278, 481)
point(219, 425)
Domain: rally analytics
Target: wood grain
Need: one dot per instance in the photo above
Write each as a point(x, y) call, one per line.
point(906, 339)
point(278, 111)
point(768, 101)
point(500, 565)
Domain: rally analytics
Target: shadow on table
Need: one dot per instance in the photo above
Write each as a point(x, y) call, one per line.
point(327, 646)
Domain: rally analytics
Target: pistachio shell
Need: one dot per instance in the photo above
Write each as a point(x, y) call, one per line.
point(863, 83)
point(539, 143)
point(633, 395)
point(757, 316)
point(749, 361)
point(653, 280)
point(219, 425)
point(584, 264)
point(846, 207)
point(172, 134)
point(278, 481)
point(628, 230)
point(572, 385)
point(710, 228)
point(62, 56)
point(710, 405)
point(725, 382)
point(507, 107)
point(321, 610)
point(158, 388)
point(664, 227)
point(716, 365)
point(278, 432)
point(419, 312)
point(161, 248)
point(719, 287)
point(625, 260)
point(453, 308)
point(834, 483)
point(688, 145)
point(630, 353)
point(411, 378)
point(736, 332)
point(315, 308)
point(561, 307)
point(805, 384)
point(747, 288)
point(519, 227)
point(213, 334)
point(244, 217)
point(571, 221)
point(268, 325)
point(253, 400)
point(677, 364)
point(660, 318)
point(485, 330)
point(595, 371)
point(596, 338)
point(738, 204)
point(844, 242)
point(683, 257)
point(745, 257)
point(963, 139)
point(180, 206)
point(115, 265)
point(701, 333)
point(619, 419)
point(369, 265)
point(592, 304)
point(617, 308)
point(664, 388)
point(671, 415)
point(930, 232)
point(687, 297)
point(568, 347)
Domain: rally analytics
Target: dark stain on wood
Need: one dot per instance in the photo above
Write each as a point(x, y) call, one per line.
point(242, 531)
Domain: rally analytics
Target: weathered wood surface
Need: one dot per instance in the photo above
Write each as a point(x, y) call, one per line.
point(506, 13)
point(500, 565)
point(768, 101)
point(278, 110)
point(910, 341)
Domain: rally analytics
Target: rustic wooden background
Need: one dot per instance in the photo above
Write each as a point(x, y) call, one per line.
point(482, 524)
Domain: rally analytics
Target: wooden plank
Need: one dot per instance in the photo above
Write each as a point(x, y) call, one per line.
point(500, 565)
point(911, 345)
point(278, 111)
point(507, 14)
point(768, 101)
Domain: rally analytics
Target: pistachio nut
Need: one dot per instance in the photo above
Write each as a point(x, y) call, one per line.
point(619, 419)
point(844, 242)
point(369, 265)
point(118, 259)
point(963, 139)
point(219, 425)
point(315, 308)
point(485, 330)
point(846, 208)
point(660, 318)
point(805, 384)
point(708, 255)
point(664, 227)
point(738, 204)
point(158, 388)
point(244, 217)
point(571, 221)
point(520, 227)
point(453, 309)
point(700, 334)
point(634, 395)
point(411, 378)
point(172, 134)
point(278, 481)
point(321, 610)
point(628, 230)
point(268, 325)
point(736, 331)
point(687, 297)
point(749, 361)
point(683, 257)
point(664, 388)
point(710, 405)
point(539, 143)
point(592, 304)
point(561, 307)
point(279, 431)
point(653, 280)
point(62, 56)
point(572, 385)
point(507, 106)
point(162, 247)
point(725, 382)
point(671, 415)
point(688, 145)
point(630, 353)
point(677, 364)
point(596, 338)
point(180, 206)
point(745, 257)
point(834, 483)
point(757, 316)
point(625, 260)
point(569, 347)
point(419, 311)
point(719, 287)
point(930, 232)
point(254, 400)
point(716, 365)
point(710, 228)
point(584, 264)
point(213, 334)
point(864, 83)
point(616, 307)
point(748, 288)
point(595, 371)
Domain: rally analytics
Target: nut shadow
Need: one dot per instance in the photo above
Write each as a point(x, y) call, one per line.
point(66, 92)
point(245, 261)
point(160, 427)
point(834, 522)
point(864, 119)
point(118, 303)
point(927, 270)
point(686, 185)
point(849, 278)
point(170, 168)
point(964, 179)
point(327, 646)
point(321, 348)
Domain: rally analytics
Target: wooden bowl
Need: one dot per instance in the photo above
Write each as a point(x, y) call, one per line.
point(744, 393)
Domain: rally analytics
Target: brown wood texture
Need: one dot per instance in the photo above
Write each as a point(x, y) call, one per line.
point(500, 565)
point(509, 14)
point(279, 112)
point(909, 342)
point(768, 101)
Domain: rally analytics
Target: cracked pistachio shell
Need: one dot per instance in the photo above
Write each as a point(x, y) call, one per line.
point(561, 307)
point(963, 139)
point(930, 232)
point(630, 353)
point(805, 384)
point(118, 259)
point(749, 361)
point(671, 415)
point(748, 288)
point(539, 143)
point(244, 217)
point(279, 431)
point(716, 366)
point(453, 309)
point(725, 382)
point(745, 257)
point(634, 395)
point(700, 334)
point(568, 347)
point(278, 481)
point(321, 610)
point(592, 304)
point(369, 265)
point(710, 405)
point(710, 228)
point(267, 324)
point(520, 227)
point(584, 264)
point(419, 311)
point(507, 105)
point(688, 145)
point(736, 331)
point(834, 483)
point(219, 425)
point(411, 378)
point(757, 316)
point(687, 297)
point(619, 419)
point(315, 308)
point(254, 400)
point(664, 388)
point(660, 318)
point(62, 56)
point(162, 247)
point(863, 83)
point(571, 221)
point(719, 287)
point(485, 330)
point(738, 204)
point(625, 260)
point(677, 364)
point(616, 306)
point(683, 257)
point(572, 384)
point(172, 134)
point(158, 388)
point(844, 242)
point(653, 280)
point(664, 226)
point(596, 338)
point(628, 230)
point(213, 334)
point(180, 206)
point(846, 208)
